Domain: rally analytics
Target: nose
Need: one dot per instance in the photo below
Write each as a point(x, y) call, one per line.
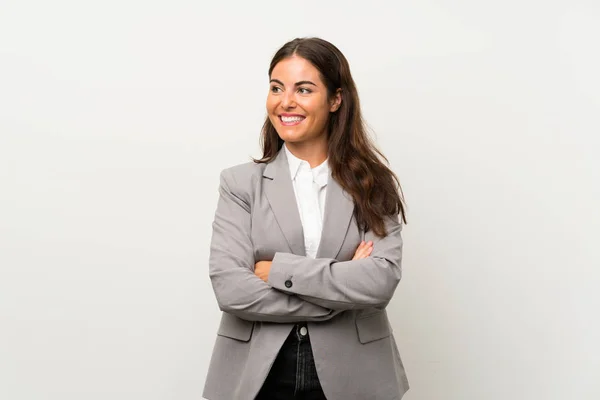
point(287, 100)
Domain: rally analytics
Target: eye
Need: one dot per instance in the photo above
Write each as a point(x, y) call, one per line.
point(305, 90)
point(275, 89)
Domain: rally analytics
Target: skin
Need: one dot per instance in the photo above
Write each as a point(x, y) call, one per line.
point(296, 88)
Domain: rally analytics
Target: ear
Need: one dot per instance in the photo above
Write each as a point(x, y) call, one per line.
point(336, 101)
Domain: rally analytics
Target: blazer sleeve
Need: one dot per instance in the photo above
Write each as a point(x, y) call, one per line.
point(231, 268)
point(344, 285)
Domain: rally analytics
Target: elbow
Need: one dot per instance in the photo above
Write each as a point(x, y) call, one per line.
point(235, 311)
point(389, 285)
point(385, 297)
point(226, 299)
point(224, 306)
point(230, 307)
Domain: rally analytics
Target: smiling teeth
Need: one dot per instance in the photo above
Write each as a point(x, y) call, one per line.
point(291, 119)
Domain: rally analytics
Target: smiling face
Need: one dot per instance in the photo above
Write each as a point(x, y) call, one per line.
point(298, 104)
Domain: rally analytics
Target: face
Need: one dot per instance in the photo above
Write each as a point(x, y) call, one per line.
point(297, 104)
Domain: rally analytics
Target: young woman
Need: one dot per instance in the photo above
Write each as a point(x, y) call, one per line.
point(306, 247)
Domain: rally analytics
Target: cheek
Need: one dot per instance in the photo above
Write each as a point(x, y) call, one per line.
point(316, 109)
point(321, 113)
point(271, 104)
point(274, 120)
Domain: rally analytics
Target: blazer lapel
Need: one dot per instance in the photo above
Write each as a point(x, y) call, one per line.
point(339, 208)
point(280, 193)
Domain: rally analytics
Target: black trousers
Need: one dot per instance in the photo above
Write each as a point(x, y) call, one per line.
point(293, 374)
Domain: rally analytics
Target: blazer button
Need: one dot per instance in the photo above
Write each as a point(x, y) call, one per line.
point(288, 284)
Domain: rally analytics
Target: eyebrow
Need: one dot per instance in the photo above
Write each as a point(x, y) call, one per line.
point(297, 83)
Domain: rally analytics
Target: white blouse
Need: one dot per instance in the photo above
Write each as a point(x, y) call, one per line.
point(310, 188)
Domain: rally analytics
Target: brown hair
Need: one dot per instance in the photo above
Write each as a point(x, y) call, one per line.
point(355, 163)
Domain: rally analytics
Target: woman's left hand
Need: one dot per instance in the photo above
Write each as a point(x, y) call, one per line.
point(262, 269)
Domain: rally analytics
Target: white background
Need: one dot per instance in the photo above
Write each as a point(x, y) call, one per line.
point(116, 118)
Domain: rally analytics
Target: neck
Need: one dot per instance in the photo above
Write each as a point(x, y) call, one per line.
point(313, 153)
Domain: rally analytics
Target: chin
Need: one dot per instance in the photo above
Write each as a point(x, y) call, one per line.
point(289, 135)
point(292, 138)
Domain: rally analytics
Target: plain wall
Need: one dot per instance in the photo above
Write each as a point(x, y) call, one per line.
point(116, 118)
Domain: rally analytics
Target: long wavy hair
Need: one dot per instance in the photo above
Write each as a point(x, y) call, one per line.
point(355, 162)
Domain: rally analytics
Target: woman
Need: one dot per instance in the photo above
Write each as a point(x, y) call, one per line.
point(306, 247)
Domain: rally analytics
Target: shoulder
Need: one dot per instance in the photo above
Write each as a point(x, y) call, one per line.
point(242, 178)
point(238, 174)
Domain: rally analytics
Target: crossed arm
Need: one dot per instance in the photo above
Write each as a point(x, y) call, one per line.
point(262, 268)
point(321, 289)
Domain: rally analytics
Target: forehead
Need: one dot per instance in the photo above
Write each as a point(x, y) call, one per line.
point(295, 69)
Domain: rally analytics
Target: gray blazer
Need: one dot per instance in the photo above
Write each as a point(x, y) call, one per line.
point(343, 300)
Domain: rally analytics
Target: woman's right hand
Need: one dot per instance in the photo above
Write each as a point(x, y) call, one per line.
point(363, 250)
